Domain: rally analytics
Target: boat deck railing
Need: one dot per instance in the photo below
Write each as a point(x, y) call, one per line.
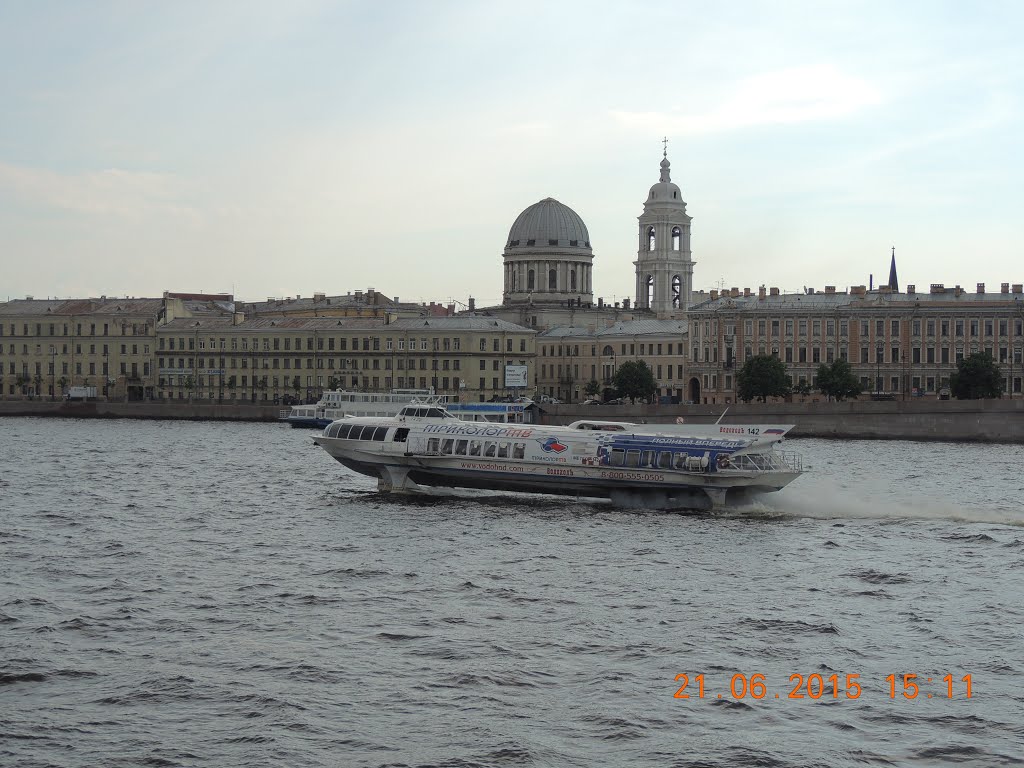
point(771, 461)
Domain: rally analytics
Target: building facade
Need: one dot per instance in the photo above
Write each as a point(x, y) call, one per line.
point(268, 359)
point(899, 345)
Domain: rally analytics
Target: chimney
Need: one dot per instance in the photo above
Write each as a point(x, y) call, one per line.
point(774, 291)
point(981, 287)
point(746, 291)
point(911, 289)
point(761, 293)
point(734, 292)
point(472, 304)
point(858, 290)
point(1004, 288)
point(359, 294)
point(319, 296)
point(714, 295)
point(600, 303)
point(625, 303)
point(1018, 288)
point(938, 288)
point(830, 289)
point(884, 289)
point(396, 299)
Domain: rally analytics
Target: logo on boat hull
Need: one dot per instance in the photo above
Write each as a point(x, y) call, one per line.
point(551, 445)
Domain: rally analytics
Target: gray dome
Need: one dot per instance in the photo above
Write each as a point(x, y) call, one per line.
point(549, 224)
point(665, 191)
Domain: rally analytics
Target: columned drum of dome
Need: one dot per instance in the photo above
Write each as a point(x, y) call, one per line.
point(664, 267)
point(547, 257)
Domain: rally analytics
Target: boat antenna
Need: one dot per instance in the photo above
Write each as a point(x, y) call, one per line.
point(722, 416)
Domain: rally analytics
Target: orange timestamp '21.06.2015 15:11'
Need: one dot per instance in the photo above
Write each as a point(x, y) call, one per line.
point(816, 686)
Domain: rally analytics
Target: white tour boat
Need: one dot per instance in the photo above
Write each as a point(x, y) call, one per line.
point(641, 465)
point(338, 403)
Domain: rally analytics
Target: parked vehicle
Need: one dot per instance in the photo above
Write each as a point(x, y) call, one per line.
point(81, 393)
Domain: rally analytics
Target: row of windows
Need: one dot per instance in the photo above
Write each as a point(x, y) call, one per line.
point(331, 363)
point(974, 327)
point(552, 350)
point(52, 349)
point(53, 328)
point(285, 383)
point(331, 343)
point(486, 448)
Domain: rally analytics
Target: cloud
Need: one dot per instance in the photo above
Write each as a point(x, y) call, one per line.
point(786, 96)
point(108, 192)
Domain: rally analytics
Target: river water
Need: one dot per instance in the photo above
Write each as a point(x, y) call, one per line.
point(216, 594)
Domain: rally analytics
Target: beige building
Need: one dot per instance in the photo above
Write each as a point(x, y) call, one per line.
point(270, 358)
point(898, 344)
point(49, 345)
point(568, 358)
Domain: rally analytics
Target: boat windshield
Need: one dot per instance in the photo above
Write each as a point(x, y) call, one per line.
point(422, 412)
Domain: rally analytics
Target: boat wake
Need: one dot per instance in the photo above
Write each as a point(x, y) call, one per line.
point(823, 498)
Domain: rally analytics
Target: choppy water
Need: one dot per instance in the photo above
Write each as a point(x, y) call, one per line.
point(225, 594)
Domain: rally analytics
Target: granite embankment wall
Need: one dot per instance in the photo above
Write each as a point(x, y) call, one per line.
point(979, 420)
point(147, 410)
point(1000, 421)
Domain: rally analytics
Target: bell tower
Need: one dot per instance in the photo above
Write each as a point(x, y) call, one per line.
point(664, 268)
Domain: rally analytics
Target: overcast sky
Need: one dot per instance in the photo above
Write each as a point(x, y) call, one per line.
point(281, 148)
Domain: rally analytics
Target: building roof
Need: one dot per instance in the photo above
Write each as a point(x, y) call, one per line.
point(548, 224)
point(262, 324)
point(459, 323)
point(944, 297)
point(67, 307)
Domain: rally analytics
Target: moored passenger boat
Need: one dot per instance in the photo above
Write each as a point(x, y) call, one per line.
point(425, 445)
point(339, 403)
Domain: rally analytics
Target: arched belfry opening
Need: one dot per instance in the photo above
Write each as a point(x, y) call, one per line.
point(650, 292)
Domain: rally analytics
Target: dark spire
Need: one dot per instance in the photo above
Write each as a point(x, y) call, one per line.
point(894, 284)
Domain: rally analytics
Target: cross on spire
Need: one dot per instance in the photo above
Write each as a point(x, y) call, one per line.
point(664, 152)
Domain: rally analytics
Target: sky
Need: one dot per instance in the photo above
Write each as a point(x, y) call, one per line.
point(286, 148)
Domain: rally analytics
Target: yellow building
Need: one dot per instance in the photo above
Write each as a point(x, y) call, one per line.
point(268, 359)
point(50, 345)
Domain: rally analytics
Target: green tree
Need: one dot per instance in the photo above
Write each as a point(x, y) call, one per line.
point(189, 384)
point(762, 377)
point(592, 388)
point(976, 376)
point(634, 379)
point(333, 382)
point(837, 380)
point(297, 384)
point(21, 381)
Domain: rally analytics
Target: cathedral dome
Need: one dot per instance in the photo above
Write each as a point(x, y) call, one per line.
point(549, 224)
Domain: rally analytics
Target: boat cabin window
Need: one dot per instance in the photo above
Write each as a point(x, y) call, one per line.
point(333, 429)
point(618, 457)
point(665, 460)
point(435, 413)
point(502, 450)
point(380, 433)
point(647, 458)
point(447, 445)
point(461, 446)
point(433, 445)
point(401, 434)
point(680, 461)
point(518, 450)
point(355, 431)
point(632, 458)
point(489, 449)
point(474, 447)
